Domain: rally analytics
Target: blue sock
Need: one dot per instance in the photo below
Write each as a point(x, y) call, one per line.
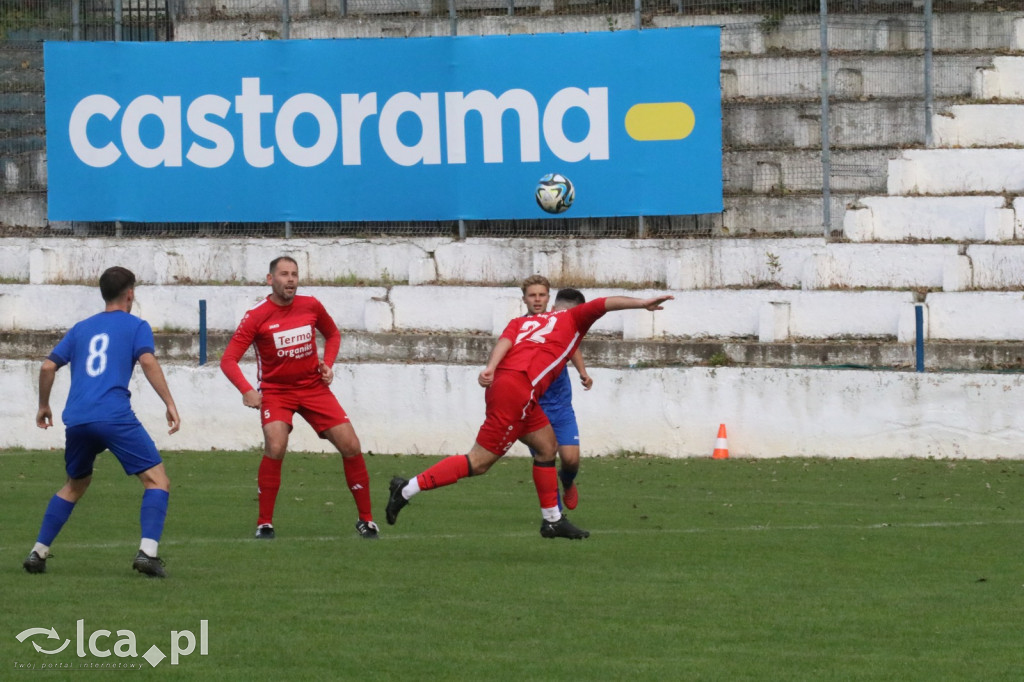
point(153, 513)
point(57, 513)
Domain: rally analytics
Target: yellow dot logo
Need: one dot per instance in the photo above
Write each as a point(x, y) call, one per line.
point(660, 121)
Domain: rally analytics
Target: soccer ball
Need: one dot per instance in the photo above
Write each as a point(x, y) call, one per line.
point(555, 193)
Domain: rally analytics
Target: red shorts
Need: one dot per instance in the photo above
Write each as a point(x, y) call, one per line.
point(314, 403)
point(512, 411)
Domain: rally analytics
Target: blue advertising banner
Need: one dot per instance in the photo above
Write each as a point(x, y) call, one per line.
point(384, 129)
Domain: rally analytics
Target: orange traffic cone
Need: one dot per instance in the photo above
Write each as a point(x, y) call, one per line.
point(721, 446)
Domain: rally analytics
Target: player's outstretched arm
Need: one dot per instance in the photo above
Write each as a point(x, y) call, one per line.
point(155, 376)
point(631, 303)
point(44, 416)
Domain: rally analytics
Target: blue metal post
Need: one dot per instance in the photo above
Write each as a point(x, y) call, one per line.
point(202, 331)
point(919, 326)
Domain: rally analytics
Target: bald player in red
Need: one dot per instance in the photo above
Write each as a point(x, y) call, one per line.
point(292, 378)
point(528, 356)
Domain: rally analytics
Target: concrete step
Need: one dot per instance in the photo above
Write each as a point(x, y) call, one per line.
point(957, 218)
point(980, 125)
point(804, 263)
point(24, 209)
point(22, 102)
point(996, 266)
point(20, 55)
point(746, 214)
point(877, 123)
point(851, 77)
point(797, 215)
point(766, 314)
point(469, 349)
point(741, 33)
point(19, 144)
point(23, 172)
point(984, 316)
point(807, 263)
point(33, 37)
point(19, 123)
point(957, 171)
point(952, 32)
point(780, 171)
point(21, 70)
point(1003, 79)
point(361, 261)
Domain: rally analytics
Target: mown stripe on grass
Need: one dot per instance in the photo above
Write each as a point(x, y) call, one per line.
point(520, 534)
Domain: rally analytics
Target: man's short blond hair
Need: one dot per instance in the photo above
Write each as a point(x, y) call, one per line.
point(535, 279)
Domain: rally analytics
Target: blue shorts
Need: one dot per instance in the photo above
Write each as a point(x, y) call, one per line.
point(130, 443)
point(563, 421)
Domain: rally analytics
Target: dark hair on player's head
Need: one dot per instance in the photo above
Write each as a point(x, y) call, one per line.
point(535, 279)
point(115, 281)
point(273, 263)
point(574, 296)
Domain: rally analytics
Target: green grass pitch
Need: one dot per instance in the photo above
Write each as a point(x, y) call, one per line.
point(791, 569)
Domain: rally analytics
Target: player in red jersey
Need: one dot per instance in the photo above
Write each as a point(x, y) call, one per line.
point(293, 379)
point(528, 356)
point(557, 400)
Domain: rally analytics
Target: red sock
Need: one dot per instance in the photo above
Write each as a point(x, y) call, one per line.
point(447, 471)
point(269, 481)
point(545, 478)
point(359, 483)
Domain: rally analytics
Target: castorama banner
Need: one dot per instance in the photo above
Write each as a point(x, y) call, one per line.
point(384, 129)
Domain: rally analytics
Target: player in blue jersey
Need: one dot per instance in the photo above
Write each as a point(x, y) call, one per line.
point(557, 400)
point(102, 351)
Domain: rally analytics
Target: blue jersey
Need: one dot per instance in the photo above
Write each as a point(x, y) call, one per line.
point(559, 394)
point(102, 351)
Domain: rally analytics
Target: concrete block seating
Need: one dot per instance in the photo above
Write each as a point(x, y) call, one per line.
point(724, 313)
point(934, 193)
point(927, 218)
point(980, 316)
point(852, 77)
point(1003, 80)
point(685, 264)
point(768, 315)
point(957, 171)
point(980, 125)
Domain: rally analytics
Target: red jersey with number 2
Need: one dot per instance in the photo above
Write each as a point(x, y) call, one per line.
point(542, 344)
point(285, 341)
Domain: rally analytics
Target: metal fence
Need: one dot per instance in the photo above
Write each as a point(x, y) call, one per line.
point(792, 159)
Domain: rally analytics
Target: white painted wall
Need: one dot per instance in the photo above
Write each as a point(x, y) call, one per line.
point(956, 171)
point(953, 314)
point(437, 409)
point(714, 313)
point(682, 264)
point(979, 125)
point(707, 313)
point(1003, 80)
point(959, 218)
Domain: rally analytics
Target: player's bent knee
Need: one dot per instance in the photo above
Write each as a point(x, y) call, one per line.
point(343, 437)
point(156, 477)
point(74, 488)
